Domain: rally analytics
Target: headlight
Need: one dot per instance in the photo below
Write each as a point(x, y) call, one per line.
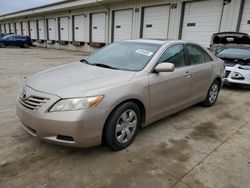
point(237, 76)
point(76, 104)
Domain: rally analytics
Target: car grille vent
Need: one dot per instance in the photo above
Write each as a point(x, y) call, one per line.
point(227, 73)
point(33, 102)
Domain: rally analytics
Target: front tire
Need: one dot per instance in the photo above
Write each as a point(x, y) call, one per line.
point(122, 126)
point(212, 94)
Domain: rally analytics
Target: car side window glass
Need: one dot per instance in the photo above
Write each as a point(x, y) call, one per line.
point(174, 54)
point(197, 55)
point(207, 57)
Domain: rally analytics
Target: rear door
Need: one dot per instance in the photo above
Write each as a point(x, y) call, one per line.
point(201, 70)
point(170, 91)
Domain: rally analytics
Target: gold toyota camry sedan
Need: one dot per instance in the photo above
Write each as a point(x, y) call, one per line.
point(127, 85)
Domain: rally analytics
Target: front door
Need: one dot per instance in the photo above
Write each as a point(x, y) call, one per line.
point(169, 91)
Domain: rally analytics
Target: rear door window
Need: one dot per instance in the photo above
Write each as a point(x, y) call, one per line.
point(174, 54)
point(197, 55)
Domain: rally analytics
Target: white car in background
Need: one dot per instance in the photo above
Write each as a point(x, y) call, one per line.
point(234, 49)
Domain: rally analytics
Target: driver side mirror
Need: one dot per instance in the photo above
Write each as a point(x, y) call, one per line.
point(165, 67)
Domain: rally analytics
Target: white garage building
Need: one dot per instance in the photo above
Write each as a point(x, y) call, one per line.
point(87, 24)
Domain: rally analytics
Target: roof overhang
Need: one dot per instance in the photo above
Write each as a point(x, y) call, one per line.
point(55, 7)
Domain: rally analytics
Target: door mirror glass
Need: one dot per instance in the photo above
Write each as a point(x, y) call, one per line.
point(165, 67)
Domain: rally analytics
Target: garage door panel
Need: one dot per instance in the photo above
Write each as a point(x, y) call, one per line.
point(7, 28)
point(33, 30)
point(41, 29)
point(155, 22)
point(25, 28)
point(64, 29)
point(202, 19)
point(12, 28)
point(51, 29)
point(245, 21)
point(18, 28)
point(2, 28)
point(123, 20)
point(98, 30)
point(79, 33)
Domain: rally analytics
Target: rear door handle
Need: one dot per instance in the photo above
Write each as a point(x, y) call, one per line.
point(187, 74)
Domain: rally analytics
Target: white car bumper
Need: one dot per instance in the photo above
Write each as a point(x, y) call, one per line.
point(238, 74)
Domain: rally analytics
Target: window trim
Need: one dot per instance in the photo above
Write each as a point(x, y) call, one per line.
point(203, 52)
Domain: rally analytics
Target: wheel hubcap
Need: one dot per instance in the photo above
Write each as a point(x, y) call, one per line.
point(126, 126)
point(213, 93)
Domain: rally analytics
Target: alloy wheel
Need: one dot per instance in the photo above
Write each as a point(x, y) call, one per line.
point(126, 126)
point(213, 92)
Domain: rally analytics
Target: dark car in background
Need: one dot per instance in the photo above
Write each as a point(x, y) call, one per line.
point(234, 49)
point(15, 40)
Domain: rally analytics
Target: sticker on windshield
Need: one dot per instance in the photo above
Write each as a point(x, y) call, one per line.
point(144, 52)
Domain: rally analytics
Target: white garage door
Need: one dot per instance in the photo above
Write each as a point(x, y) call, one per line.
point(41, 30)
point(7, 28)
point(18, 28)
point(2, 28)
point(25, 28)
point(33, 30)
point(245, 21)
point(123, 20)
point(201, 20)
point(51, 29)
point(12, 28)
point(98, 30)
point(64, 28)
point(79, 33)
point(155, 22)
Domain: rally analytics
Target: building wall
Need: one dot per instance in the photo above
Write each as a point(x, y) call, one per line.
point(229, 20)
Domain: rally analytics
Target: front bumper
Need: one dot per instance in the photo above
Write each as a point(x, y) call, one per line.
point(237, 68)
point(81, 128)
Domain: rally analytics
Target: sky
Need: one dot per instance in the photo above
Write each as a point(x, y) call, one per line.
point(8, 6)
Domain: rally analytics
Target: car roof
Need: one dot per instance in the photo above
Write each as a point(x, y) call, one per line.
point(154, 41)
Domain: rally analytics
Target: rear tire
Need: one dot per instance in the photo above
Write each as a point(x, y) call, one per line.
point(122, 126)
point(2, 45)
point(212, 94)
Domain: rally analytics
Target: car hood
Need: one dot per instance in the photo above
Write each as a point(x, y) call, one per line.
point(77, 79)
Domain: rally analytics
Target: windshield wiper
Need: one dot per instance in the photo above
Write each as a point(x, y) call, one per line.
point(84, 61)
point(103, 65)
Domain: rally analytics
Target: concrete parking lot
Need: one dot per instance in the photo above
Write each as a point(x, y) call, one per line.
point(198, 147)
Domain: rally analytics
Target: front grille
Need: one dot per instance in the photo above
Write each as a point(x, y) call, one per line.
point(33, 102)
point(227, 74)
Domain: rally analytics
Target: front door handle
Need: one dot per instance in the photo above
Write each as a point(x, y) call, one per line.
point(187, 74)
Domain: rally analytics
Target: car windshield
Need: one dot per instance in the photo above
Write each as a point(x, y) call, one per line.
point(132, 56)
